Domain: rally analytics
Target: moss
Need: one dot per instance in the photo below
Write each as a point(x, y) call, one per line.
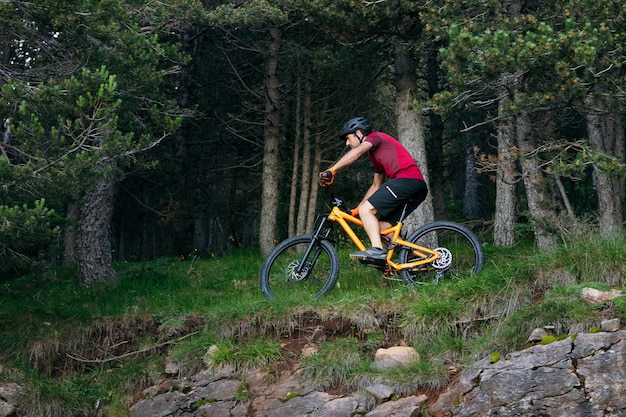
point(547, 340)
point(291, 395)
point(204, 401)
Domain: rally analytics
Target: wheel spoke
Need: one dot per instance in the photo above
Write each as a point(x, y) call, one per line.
point(461, 253)
point(287, 275)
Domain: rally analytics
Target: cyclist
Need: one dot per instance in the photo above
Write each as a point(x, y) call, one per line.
point(397, 179)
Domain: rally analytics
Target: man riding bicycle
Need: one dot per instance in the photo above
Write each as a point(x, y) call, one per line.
point(384, 201)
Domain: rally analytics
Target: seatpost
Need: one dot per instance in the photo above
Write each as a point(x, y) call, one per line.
point(404, 211)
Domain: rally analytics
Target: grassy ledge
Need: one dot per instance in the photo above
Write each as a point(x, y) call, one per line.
point(91, 351)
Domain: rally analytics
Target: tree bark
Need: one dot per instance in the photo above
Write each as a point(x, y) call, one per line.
point(606, 135)
point(269, 198)
point(93, 243)
point(435, 147)
point(295, 174)
point(506, 172)
point(305, 187)
point(69, 234)
point(411, 129)
point(473, 198)
point(543, 220)
point(317, 161)
point(201, 237)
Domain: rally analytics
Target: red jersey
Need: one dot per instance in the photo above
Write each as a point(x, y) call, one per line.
point(389, 156)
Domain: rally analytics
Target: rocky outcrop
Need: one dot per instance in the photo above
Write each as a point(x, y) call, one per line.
point(231, 394)
point(10, 396)
point(581, 376)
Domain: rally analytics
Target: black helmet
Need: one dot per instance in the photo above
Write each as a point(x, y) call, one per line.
point(352, 125)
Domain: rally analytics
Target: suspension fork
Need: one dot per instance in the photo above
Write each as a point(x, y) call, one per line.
point(322, 232)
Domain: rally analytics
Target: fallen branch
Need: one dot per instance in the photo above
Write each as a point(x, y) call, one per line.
point(476, 319)
point(136, 352)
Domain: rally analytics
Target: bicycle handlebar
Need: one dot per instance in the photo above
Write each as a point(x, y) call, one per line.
point(335, 201)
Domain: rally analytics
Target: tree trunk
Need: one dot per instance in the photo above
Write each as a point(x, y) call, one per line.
point(306, 161)
point(295, 174)
point(543, 220)
point(506, 171)
point(93, 243)
point(435, 147)
point(201, 239)
point(473, 196)
point(270, 195)
point(69, 234)
point(410, 128)
point(606, 135)
point(317, 161)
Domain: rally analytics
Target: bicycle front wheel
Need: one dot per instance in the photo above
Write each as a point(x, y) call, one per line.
point(299, 268)
point(460, 249)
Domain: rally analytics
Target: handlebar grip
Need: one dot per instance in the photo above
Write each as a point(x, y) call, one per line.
point(327, 177)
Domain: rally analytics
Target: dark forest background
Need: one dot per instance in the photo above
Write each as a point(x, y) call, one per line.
point(142, 129)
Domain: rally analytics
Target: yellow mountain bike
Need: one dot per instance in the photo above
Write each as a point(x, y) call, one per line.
point(308, 265)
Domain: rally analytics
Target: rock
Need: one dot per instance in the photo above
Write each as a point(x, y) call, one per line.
point(172, 368)
point(310, 349)
point(220, 390)
point(403, 407)
point(160, 406)
point(592, 296)
point(580, 376)
point(396, 356)
point(574, 377)
point(6, 409)
point(537, 335)
point(208, 356)
point(221, 409)
point(10, 396)
point(381, 392)
point(318, 404)
point(610, 325)
point(218, 394)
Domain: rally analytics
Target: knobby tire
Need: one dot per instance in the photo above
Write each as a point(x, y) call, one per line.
point(467, 253)
point(279, 279)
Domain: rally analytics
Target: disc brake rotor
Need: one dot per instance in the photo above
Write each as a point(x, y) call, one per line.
point(445, 259)
point(292, 273)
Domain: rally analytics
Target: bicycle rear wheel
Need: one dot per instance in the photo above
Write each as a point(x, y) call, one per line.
point(462, 253)
point(281, 275)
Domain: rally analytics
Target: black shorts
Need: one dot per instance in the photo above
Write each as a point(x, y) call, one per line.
point(389, 200)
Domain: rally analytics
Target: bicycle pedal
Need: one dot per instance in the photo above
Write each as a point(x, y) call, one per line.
point(384, 268)
point(372, 262)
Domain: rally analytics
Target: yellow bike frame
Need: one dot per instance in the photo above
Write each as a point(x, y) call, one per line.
point(426, 255)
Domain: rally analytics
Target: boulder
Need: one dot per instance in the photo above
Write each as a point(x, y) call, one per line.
point(10, 396)
point(394, 357)
point(592, 296)
point(580, 376)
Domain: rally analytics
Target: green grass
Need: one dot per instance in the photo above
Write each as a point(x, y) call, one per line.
point(336, 363)
point(73, 347)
